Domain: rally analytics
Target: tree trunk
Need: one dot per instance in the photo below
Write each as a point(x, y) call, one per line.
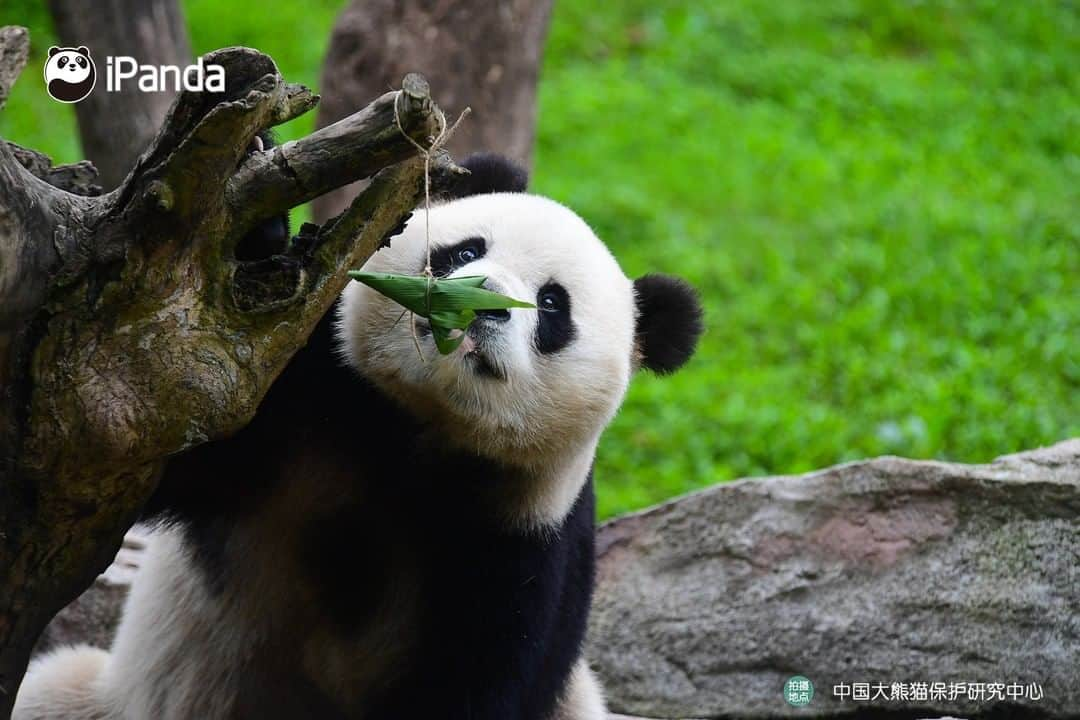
point(117, 126)
point(129, 331)
point(484, 55)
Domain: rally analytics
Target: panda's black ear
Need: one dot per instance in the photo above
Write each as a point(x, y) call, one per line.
point(669, 322)
point(489, 173)
point(83, 50)
point(53, 50)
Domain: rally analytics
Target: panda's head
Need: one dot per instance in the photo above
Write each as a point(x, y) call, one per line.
point(525, 386)
point(69, 73)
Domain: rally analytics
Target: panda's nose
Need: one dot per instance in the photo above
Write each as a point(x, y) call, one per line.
point(495, 315)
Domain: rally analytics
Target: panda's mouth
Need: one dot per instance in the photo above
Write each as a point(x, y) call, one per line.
point(479, 358)
point(474, 352)
point(484, 367)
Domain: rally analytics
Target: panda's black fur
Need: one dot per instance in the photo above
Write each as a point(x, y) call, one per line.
point(502, 612)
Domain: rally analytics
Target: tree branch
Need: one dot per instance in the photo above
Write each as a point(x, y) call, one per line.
point(78, 178)
point(351, 149)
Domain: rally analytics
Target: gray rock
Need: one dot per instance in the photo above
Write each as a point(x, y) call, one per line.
point(886, 571)
point(93, 617)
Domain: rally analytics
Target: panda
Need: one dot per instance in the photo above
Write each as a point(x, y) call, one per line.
point(70, 73)
point(398, 534)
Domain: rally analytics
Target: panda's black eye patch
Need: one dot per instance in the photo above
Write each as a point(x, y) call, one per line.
point(555, 330)
point(81, 61)
point(449, 258)
point(63, 60)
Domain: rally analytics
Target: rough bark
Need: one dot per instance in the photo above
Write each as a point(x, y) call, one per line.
point(483, 55)
point(116, 127)
point(129, 329)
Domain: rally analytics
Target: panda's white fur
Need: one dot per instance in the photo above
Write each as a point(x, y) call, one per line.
point(185, 650)
point(65, 684)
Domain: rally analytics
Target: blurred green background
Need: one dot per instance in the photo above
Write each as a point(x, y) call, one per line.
point(878, 199)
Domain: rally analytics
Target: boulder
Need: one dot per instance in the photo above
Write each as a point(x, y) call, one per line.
point(882, 572)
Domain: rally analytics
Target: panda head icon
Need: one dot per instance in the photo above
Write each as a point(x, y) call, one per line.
point(70, 73)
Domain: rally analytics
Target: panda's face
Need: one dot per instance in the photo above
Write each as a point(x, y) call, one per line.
point(69, 65)
point(525, 383)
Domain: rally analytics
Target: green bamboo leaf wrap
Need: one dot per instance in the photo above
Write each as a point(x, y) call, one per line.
point(448, 303)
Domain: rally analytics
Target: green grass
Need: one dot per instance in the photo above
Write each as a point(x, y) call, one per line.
point(879, 200)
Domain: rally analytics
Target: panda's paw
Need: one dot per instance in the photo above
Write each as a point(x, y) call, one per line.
point(269, 236)
point(64, 685)
point(583, 698)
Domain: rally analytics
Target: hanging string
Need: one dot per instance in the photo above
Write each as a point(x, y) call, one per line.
point(440, 139)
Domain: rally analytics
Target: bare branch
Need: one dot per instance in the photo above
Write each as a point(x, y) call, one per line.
point(351, 149)
point(79, 178)
point(205, 134)
point(295, 101)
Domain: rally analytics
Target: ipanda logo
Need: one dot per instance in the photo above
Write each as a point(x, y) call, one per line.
point(70, 75)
